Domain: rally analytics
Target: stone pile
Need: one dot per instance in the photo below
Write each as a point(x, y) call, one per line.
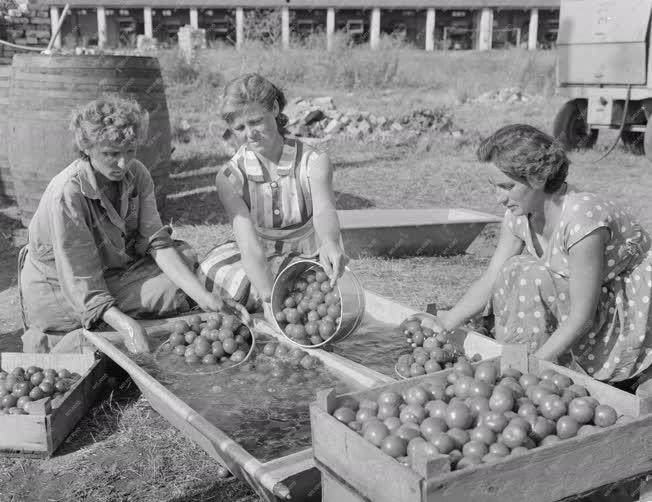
point(505, 95)
point(27, 26)
point(320, 118)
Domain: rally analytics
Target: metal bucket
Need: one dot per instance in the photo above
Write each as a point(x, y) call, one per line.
point(352, 299)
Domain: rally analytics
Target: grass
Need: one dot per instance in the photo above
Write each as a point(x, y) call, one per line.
point(140, 456)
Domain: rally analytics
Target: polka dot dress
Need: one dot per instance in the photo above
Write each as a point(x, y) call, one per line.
point(531, 295)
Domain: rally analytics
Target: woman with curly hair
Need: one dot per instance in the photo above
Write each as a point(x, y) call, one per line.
point(97, 249)
point(278, 195)
point(572, 273)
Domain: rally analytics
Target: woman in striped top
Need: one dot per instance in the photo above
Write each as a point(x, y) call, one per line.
point(278, 194)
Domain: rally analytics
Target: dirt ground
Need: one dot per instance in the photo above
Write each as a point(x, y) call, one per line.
point(123, 450)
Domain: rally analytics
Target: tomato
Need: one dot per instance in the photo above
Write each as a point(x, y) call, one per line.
point(180, 327)
point(389, 397)
point(290, 302)
point(237, 357)
point(499, 449)
point(8, 401)
point(528, 379)
point(463, 368)
point(316, 340)
point(587, 429)
point(443, 442)
point(421, 358)
point(495, 421)
point(344, 415)
point(548, 440)
point(202, 346)
point(412, 413)
point(417, 395)
point(321, 276)
point(536, 393)
point(387, 411)
point(552, 407)
point(578, 390)
point(542, 428)
point(469, 461)
point(326, 329)
point(60, 386)
point(190, 336)
point(36, 393)
point(501, 400)
point(581, 410)
point(269, 349)
point(567, 427)
point(394, 446)
point(475, 448)
point(21, 389)
point(309, 277)
point(408, 431)
point(486, 372)
point(520, 422)
point(548, 385)
point(392, 423)
point(365, 414)
point(375, 433)
point(458, 415)
point(561, 381)
point(482, 434)
point(513, 435)
point(431, 366)
point(229, 346)
point(604, 416)
point(548, 374)
point(436, 408)
point(356, 426)
point(431, 425)
point(463, 386)
point(209, 359)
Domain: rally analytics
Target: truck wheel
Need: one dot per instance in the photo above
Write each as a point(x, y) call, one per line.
point(570, 126)
point(633, 141)
point(647, 142)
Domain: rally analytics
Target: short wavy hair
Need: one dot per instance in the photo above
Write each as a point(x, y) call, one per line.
point(527, 153)
point(253, 88)
point(111, 120)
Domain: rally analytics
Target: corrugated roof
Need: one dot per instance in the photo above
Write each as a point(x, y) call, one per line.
point(314, 4)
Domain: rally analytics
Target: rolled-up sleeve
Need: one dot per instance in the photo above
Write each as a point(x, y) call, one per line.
point(77, 258)
point(152, 234)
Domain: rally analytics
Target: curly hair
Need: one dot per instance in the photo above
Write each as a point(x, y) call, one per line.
point(253, 88)
point(527, 153)
point(111, 120)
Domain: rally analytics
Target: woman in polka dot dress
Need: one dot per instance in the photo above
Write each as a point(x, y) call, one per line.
point(572, 273)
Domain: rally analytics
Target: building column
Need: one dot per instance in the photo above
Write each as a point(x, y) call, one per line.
point(430, 29)
point(533, 33)
point(54, 21)
point(101, 27)
point(147, 18)
point(330, 27)
point(374, 29)
point(239, 27)
point(485, 29)
point(194, 18)
point(285, 27)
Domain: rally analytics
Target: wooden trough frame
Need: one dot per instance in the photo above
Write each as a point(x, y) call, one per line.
point(410, 232)
point(293, 476)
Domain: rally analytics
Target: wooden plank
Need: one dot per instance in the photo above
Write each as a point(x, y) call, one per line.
point(76, 363)
point(546, 474)
point(77, 402)
point(336, 490)
point(24, 433)
point(297, 472)
point(623, 402)
point(368, 470)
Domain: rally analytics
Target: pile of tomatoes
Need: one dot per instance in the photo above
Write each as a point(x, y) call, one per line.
point(22, 386)
point(311, 309)
point(431, 352)
point(222, 339)
point(477, 416)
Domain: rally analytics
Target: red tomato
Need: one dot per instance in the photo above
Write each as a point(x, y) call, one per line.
point(469, 461)
point(581, 410)
point(412, 413)
point(528, 379)
point(375, 433)
point(483, 434)
point(392, 423)
point(321, 276)
point(443, 442)
point(463, 368)
point(209, 359)
point(431, 425)
point(495, 421)
point(552, 407)
point(431, 366)
point(408, 431)
point(480, 388)
point(417, 395)
point(542, 428)
point(501, 401)
point(459, 436)
point(229, 345)
point(513, 435)
point(499, 449)
point(344, 415)
point(475, 448)
point(486, 372)
point(548, 440)
point(463, 386)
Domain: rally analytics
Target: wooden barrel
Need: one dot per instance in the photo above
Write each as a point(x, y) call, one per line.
point(6, 182)
point(43, 92)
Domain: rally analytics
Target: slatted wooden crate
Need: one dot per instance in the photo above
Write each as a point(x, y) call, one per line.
point(40, 433)
point(355, 470)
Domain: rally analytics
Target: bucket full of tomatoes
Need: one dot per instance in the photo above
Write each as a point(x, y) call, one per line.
point(309, 311)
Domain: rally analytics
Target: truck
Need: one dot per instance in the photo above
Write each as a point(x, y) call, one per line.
point(604, 70)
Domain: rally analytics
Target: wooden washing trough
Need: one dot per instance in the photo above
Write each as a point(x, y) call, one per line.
point(292, 476)
point(410, 232)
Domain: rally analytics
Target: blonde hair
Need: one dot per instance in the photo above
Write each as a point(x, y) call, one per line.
point(111, 120)
point(253, 88)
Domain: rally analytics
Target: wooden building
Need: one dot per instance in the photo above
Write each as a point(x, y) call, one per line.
point(429, 24)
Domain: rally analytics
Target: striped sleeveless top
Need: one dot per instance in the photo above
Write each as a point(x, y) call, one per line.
point(281, 209)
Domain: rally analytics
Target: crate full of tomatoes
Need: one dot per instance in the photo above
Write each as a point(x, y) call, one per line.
point(43, 396)
point(510, 428)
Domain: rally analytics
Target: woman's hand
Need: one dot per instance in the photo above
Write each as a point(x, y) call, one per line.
point(210, 303)
point(267, 312)
point(135, 338)
point(333, 259)
point(436, 323)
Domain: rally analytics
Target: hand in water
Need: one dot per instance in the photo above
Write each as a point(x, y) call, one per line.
point(135, 337)
point(211, 303)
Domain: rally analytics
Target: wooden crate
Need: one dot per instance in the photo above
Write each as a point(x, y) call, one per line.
point(42, 431)
point(356, 470)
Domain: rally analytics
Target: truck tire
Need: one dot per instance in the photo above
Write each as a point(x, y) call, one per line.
point(633, 141)
point(570, 126)
point(647, 140)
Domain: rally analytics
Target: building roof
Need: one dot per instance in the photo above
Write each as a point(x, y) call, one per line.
point(313, 4)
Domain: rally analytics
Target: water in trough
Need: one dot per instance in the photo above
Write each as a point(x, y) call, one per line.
point(264, 403)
